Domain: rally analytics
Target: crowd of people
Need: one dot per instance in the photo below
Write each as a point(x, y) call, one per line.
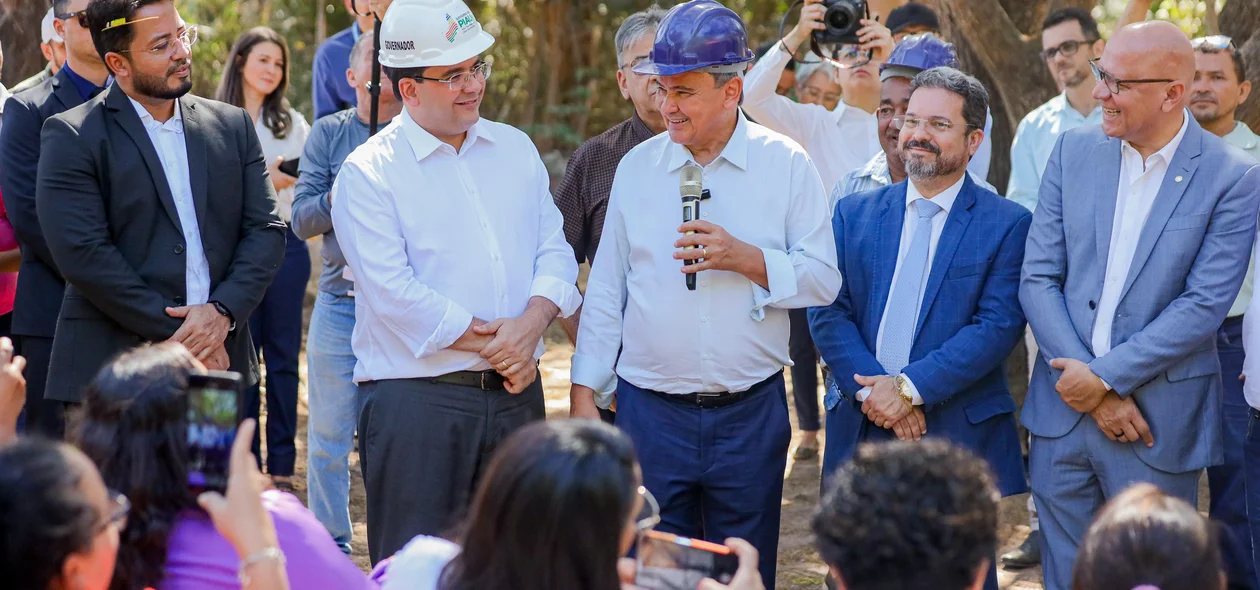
point(842, 216)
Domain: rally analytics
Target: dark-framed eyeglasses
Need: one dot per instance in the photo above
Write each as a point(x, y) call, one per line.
point(80, 16)
point(1067, 48)
point(166, 47)
point(1213, 43)
point(120, 508)
point(934, 125)
point(1114, 84)
point(462, 80)
point(650, 514)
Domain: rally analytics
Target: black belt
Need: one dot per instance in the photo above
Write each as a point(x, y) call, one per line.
point(483, 380)
point(721, 399)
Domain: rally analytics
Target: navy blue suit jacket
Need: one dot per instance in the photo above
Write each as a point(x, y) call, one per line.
point(968, 324)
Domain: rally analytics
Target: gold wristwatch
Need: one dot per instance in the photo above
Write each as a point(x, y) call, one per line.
point(903, 390)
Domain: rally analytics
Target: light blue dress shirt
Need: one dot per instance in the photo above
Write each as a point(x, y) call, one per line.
point(1034, 141)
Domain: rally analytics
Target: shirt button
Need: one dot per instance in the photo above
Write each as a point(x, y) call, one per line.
point(706, 357)
point(704, 283)
point(704, 319)
point(179, 248)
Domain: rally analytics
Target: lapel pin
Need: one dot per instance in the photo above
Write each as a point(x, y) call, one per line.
point(1178, 179)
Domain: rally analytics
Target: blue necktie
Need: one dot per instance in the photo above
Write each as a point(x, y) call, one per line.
point(903, 302)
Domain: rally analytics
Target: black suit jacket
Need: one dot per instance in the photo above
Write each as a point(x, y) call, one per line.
point(114, 231)
point(40, 286)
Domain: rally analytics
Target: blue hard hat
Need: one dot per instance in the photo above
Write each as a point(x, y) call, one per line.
point(700, 34)
point(917, 53)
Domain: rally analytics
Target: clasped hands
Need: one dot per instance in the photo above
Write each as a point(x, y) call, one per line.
point(202, 333)
point(1119, 418)
point(508, 344)
point(887, 409)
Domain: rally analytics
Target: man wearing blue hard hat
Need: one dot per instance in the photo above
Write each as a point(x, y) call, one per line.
point(696, 364)
point(913, 55)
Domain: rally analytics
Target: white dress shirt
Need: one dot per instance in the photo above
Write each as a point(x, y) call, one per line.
point(728, 334)
point(838, 141)
point(437, 237)
point(1251, 344)
point(289, 148)
point(945, 200)
point(1139, 185)
point(172, 150)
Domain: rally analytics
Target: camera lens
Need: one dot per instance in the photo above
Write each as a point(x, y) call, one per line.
point(841, 17)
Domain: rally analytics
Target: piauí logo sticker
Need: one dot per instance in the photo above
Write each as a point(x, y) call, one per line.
point(451, 29)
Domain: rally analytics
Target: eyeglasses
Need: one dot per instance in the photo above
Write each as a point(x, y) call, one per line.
point(462, 80)
point(1115, 85)
point(1067, 48)
point(80, 16)
point(935, 125)
point(650, 514)
point(1214, 43)
point(167, 46)
point(120, 509)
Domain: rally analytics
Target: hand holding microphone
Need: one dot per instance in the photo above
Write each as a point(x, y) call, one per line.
point(707, 246)
point(691, 187)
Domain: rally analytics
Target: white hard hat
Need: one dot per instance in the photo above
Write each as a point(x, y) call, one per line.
point(47, 33)
point(424, 33)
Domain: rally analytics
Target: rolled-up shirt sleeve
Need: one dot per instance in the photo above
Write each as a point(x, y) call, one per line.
point(371, 239)
point(600, 332)
point(806, 274)
point(555, 268)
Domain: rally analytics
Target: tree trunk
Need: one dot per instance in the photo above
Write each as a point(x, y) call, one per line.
point(1007, 62)
point(1240, 19)
point(19, 30)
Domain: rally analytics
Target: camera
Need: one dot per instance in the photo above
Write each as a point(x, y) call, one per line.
point(843, 19)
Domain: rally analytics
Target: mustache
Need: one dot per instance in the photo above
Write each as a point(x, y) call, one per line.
point(1203, 96)
point(179, 64)
point(921, 145)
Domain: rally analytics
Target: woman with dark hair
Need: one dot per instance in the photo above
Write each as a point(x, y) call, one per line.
point(62, 525)
point(133, 426)
point(255, 79)
point(1147, 539)
point(559, 504)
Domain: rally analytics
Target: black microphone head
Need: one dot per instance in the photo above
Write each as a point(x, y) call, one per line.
point(691, 183)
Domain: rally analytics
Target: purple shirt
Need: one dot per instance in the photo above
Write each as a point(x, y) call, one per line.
point(199, 558)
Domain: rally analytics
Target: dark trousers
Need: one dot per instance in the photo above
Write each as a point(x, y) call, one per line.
point(1251, 470)
point(424, 446)
point(804, 371)
point(43, 417)
point(717, 473)
point(1226, 482)
point(276, 327)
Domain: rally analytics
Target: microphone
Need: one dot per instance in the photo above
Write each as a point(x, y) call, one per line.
point(691, 187)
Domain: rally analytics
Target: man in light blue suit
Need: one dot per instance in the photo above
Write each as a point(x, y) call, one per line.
point(928, 311)
point(1138, 247)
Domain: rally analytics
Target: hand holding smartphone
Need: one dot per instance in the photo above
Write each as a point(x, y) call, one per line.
point(214, 411)
point(670, 562)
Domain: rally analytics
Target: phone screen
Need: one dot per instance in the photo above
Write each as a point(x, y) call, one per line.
point(670, 562)
point(213, 416)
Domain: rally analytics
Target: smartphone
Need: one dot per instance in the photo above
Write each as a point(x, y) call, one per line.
point(670, 562)
point(290, 167)
point(214, 413)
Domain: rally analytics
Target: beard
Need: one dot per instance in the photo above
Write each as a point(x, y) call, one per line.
point(1206, 112)
point(1074, 77)
point(157, 86)
point(919, 169)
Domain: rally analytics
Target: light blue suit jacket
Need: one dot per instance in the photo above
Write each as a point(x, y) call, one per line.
point(1191, 256)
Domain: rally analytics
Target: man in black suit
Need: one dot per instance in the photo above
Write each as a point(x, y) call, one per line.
point(40, 286)
point(151, 248)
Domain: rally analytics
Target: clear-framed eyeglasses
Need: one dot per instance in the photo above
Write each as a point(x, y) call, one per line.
point(166, 47)
point(460, 81)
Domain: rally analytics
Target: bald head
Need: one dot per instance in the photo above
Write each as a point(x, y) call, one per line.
point(1147, 69)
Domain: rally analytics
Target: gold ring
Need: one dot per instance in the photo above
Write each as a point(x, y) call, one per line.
point(704, 252)
point(503, 365)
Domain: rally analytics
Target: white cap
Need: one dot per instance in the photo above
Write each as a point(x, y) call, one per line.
point(426, 33)
point(47, 32)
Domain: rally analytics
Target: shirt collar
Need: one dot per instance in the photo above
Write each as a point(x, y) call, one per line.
point(735, 152)
point(1167, 152)
point(84, 86)
point(424, 143)
point(175, 123)
point(1242, 137)
point(1066, 110)
point(877, 169)
point(945, 199)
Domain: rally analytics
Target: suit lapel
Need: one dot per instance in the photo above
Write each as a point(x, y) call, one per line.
point(1180, 173)
point(125, 114)
point(195, 139)
point(887, 245)
point(951, 236)
point(1107, 154)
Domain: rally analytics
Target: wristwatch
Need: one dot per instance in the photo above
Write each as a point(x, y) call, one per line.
point(223, 311)
point(903, 389)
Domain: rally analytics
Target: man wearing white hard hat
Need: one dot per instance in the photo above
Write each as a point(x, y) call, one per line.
point(54, 49)
point(460, 263)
